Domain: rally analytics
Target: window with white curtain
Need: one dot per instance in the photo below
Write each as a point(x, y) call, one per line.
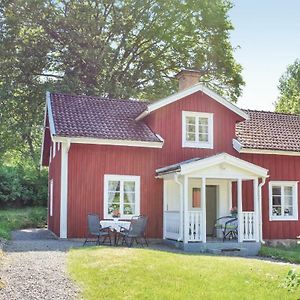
point(121, 196)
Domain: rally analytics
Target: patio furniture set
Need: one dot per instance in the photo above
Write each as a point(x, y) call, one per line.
point(116, 231)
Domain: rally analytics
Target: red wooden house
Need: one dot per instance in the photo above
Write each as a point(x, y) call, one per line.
point(183, 161)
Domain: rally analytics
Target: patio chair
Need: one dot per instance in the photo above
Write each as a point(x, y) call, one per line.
point(229, 227)
point(136, 232)
point(96, 230)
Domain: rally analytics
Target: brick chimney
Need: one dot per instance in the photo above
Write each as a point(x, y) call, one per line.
point(187, 78)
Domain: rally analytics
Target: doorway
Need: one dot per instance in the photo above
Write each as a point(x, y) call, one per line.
point(211, 208)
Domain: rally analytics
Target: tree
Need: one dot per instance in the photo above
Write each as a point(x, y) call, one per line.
point(115, 48)
point(289, 87)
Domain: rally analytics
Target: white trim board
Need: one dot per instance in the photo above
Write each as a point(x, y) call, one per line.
point(95, 141)
point(239, 148)
point(191, 90)
point(50, 115)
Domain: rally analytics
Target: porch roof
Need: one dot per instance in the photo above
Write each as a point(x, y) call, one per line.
point(196, 164)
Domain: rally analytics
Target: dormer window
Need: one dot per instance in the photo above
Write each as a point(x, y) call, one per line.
point(197, 130)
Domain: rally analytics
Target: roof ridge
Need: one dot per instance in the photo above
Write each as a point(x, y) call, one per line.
point(271, 112)
point(102, 98)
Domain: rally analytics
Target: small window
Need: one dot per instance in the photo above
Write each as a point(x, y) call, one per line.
point(197, 130)
point(51, 198)
point(196, 198)
point(121, 196)
point(283, 200)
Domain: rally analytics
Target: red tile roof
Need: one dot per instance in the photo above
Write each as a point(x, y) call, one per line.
point(269, 130)
point(96, 117)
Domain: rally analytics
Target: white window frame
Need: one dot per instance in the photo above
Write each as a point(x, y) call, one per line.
point(122, 178)
point(198, 144)
point(282, 184)
point(51, 198)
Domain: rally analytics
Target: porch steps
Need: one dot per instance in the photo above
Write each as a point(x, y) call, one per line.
point(237, 251)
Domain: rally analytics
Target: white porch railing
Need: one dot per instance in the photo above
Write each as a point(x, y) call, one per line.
point(171, 224)
point(248, 226)
point(194, 229)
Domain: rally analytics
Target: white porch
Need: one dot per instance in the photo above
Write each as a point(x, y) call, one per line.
point(208, 183)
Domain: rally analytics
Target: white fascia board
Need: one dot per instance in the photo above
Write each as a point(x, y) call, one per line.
point(191, 90)
point(50, 115)
point(95, 141)
point(43, 138)
point(237, 145)
point(224, 158)
point(269, 152)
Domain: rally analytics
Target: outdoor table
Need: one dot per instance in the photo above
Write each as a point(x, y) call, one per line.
point(115, 226)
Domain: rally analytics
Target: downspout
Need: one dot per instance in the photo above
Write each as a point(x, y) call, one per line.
point(260, 208)
point(180, 238)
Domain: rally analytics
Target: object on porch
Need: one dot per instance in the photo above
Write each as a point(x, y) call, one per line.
point(234, 211)
point(136, 231)
point(115, 226)
point(96, 230)
point(228, 225)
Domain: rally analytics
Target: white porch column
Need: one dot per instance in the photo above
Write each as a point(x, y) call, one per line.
point(240, 210)
point(203, 202)
point(186, 209)
point(165, 207)
point(256, 209)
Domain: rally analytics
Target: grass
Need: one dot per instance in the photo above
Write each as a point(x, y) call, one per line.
point(122, 273)
point(11, 219)
point(288, 254)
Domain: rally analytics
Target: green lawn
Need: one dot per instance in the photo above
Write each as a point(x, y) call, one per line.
point(289, 254)
point(122, 273)
point(11, 219)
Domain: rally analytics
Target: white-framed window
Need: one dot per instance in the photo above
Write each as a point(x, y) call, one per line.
point(197, 129)
point(51, 198)
point(121, 196)
point(283, 200)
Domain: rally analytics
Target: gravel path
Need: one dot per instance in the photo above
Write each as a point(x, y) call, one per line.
point(34, 267)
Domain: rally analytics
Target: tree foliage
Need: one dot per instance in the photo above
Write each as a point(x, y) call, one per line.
point(115, 48)
point(289, 87)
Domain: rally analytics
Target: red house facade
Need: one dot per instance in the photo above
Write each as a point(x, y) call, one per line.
point(183, 161)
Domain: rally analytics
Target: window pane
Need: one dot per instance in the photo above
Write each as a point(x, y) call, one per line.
point(129, 197)
point(190, 128)
point(276, 200)
point(288, 211)
point(114, 208)
point(190, 120)
point(129, 186)
point(191, 137)
point(203, 121)
point(129, 209)
point(203, 129)
point(276, 211)
point(114, 185)
point(203, 137)
point(288, 190)
point(113, 197)
point(288, 200)
point(276, 190)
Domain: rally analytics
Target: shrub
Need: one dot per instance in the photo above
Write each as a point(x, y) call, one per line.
point(21, 186)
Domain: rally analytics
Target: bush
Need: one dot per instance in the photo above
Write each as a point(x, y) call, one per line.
point(21, 186)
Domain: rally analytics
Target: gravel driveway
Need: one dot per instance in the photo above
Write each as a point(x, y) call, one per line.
point(34, 267)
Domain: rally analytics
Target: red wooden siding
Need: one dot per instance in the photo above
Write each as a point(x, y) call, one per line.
point(55, 173)
point(281, 168)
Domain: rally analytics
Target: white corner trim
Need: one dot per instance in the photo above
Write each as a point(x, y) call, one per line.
point(294, 185)
point(50, 115)
point(160, 138)
point(267, 151)
point(198, 144)
point(64, 191)
point(191, 90)
point(95, 141)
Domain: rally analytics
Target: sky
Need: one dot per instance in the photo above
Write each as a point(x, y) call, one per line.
point(268, 33)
